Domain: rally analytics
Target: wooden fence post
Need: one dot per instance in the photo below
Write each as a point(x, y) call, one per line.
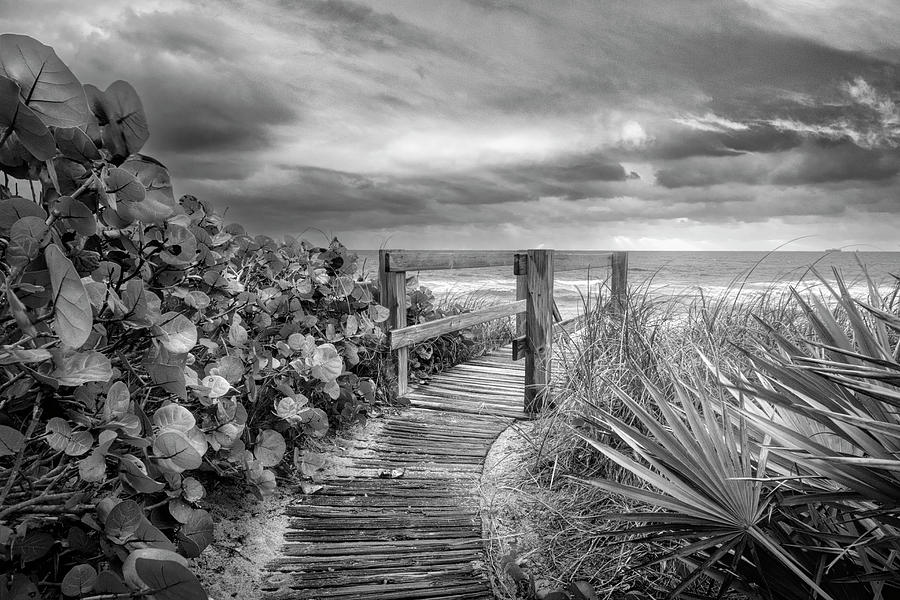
point(392, 287)
point(520, 269)
point(618, 285)
point(539, 328)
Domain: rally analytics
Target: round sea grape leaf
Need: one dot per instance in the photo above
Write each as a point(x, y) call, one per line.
point(168, 376)
point(177, 333)
point(75, 144)
point(270, 448)
point(192, 490)
point(197, 439)
point(79, 541)
point(326, 363)
point(34, 545)
point(129, 424)
point(22, 588)
point(333, 389)
point(92, 468)
point(237, 333)
point(378, 313)
point(143, 306)
point(80, 580)
point(72, 307)
point(317, 423)
point(263, 479)
point(180, 245)
point(134, 473)
point(60, 437)
point(124, 185)
point(218, 385)
point(196, 534)
point(174, 417)
point(164, 572)
point(154, 176)
point(78, 368)
point(11, 441)
point(15, 208)
point(289, 407)
point(121, 116)
point(197, 299)
point(229, 367)
point(180, 510)
point(175, 453)
point(31, 234)
point(79, 443)
point(227, 434)
point(15, 116)
point(118, 401)
point(76, 216)
point(109, 582)
point(343, 286)
point(351, 326)
point(367, 389)
point(582, 590)
point(148, 534)
point(105, 439)
point(46, 84)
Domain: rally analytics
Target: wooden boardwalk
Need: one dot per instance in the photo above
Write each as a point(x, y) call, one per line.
point(399, 517)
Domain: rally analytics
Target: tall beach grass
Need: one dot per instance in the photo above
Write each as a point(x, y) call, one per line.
point(678, 426)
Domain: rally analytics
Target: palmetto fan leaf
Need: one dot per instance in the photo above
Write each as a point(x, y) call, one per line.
point(697, 458)
point(833, 408)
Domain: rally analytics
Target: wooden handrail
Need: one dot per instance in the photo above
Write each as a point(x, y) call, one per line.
point(535, 308)
point(435, 260)
point(414, 334)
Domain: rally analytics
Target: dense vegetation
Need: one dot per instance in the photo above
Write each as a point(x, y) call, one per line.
point(146, 346)
point(752, 441)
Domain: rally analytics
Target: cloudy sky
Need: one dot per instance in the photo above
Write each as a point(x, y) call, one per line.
point(605, 124)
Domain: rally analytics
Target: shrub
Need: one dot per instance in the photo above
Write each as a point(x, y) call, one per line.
point(144, 345)
point(780, 476)
point(437, 354)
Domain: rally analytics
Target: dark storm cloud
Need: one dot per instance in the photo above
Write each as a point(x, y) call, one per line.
point(685, 142)
point(354, 114)
point(844, 161)
point(352, 26)
point(197, 95)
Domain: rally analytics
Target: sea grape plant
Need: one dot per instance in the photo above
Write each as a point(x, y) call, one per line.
point(145, 345)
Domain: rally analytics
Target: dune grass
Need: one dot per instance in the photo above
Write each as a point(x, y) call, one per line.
point(723, 438)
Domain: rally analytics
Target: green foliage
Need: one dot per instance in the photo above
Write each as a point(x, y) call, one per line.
point(779, 476)
point(437, 354)
point(145, 345)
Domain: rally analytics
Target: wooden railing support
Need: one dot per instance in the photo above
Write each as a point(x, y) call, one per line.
point(538, 328)
point(534, 272)
point(618, 284)
point(393, 297)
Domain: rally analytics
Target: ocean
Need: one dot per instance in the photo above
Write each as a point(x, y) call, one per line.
point(684, 274)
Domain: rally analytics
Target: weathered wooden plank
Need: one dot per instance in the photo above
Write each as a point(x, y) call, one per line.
point(389, 558)
point(379, 547)
point(567, 261)
point(539, 330)
point(436, 260)
point(399, 591)
point(407, 336)
point(579, 261)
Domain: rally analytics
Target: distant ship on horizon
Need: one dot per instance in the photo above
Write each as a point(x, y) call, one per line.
point(834, 250)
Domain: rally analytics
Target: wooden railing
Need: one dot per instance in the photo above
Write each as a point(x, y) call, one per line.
point(534, 271)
